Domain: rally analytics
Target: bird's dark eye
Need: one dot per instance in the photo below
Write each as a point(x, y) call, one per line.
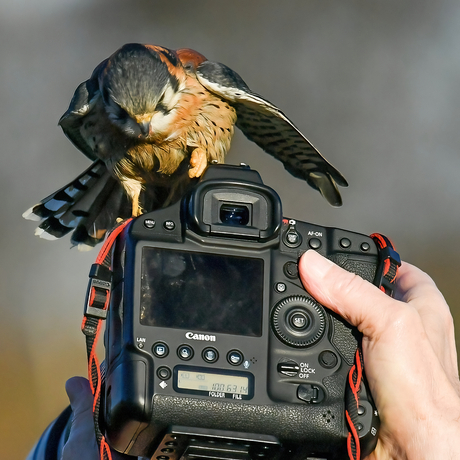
point(122, 115)
point(117, 113)
point(162, 108)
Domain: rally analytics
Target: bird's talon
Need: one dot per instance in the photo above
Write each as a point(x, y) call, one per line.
point(137, 212)
point(198, 161)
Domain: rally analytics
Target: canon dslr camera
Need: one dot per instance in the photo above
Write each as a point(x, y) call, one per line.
point(213, 347)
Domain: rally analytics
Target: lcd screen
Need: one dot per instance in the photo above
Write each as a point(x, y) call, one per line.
point(203, 292)
point(207, 381)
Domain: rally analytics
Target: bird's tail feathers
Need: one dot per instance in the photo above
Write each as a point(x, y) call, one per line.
point(88, 206)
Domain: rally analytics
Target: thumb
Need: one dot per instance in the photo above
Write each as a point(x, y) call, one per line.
point(82, 440)
point(80, 396)
point(356, 300)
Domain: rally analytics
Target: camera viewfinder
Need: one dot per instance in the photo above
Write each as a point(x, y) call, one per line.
point(232, 214)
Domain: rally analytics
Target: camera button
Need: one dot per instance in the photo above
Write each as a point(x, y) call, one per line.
point(164, 373)
point(235, 357)
point(169, 225)
point(210, 355)
point(185, 352)
point(328, 359)
point(345, 243)
point(314, 243)
point(365, 247)
point(298, 320)
point(160, 349)
point(291, 270)
point(292, 239)
point(149, 223)
point(280, 287)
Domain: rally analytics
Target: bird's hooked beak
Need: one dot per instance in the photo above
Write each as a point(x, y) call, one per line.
point(143, 122)
point(144, 126)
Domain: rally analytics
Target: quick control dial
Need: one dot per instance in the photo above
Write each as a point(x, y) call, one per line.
point(298, 321)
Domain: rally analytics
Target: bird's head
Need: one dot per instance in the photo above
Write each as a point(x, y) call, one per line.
point(138, 83)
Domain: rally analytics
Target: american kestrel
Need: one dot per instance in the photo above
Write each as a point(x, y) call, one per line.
point(152, 119)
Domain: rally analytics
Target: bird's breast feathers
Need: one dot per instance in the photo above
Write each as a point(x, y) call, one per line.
point(196, 119)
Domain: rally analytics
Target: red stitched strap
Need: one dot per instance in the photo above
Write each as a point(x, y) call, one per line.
point(355, 377)
point(389, 262)
point(107, 246)
point(353, 445)
point(97, 304)
point(385, 278)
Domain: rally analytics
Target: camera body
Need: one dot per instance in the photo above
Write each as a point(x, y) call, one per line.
point(211, 339)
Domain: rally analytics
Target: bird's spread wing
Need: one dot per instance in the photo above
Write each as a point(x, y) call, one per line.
point(82, 102)
point(267, 126)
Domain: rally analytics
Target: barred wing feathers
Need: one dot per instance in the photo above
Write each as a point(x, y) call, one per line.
point(267, 126)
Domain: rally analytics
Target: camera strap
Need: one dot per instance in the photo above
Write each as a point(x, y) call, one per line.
point(389, 262)
point(385, 278)
point(96, 307)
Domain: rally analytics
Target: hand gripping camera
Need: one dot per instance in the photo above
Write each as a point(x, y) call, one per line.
point(213, 347)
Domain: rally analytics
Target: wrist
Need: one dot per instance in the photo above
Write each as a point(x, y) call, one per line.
point(429, 436)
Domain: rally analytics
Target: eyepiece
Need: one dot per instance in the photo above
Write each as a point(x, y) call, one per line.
point(237, 215)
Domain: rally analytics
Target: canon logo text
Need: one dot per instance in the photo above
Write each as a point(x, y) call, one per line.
point(203, 337)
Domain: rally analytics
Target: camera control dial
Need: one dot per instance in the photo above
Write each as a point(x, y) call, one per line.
point(298, 321)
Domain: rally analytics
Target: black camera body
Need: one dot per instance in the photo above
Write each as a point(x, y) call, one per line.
point(213, 343)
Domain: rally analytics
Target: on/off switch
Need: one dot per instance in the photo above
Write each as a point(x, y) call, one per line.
point(288, 368)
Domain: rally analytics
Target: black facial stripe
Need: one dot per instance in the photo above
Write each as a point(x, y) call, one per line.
point(162, 108)
point(170, 56)
point(174, 83)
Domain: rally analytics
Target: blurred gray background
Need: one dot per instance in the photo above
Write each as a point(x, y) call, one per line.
point(374, 85)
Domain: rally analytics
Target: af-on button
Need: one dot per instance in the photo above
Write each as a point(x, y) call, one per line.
point(314, 243)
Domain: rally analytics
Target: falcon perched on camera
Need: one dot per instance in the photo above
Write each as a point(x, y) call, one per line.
point(152, 119)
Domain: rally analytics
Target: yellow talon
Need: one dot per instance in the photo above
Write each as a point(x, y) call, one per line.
point(198, 162)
